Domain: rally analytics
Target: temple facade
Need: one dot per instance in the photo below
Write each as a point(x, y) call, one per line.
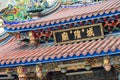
point(62, 40)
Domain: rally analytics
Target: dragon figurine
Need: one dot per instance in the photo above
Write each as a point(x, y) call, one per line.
point(22, 11)
point(25, 9)
point(16, 12)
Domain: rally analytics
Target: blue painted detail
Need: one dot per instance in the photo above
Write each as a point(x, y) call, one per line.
point(117, 52)
point(65, 22)
point(6, 40)
point(3, 34)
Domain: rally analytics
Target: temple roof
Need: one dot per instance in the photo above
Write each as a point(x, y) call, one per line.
point(69, 15)
point(12, 54)
point(4, 38)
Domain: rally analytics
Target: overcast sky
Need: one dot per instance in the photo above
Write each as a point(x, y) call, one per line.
point(1, 30)
point(4, 3)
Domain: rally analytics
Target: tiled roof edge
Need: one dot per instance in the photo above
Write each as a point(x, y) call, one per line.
point(6, 40)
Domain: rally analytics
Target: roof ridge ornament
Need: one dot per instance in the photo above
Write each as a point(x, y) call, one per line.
point(22, 11)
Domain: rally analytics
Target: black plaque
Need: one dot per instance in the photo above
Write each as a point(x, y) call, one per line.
point(78, 34)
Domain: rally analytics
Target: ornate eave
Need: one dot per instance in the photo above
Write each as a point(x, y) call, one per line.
point(61, 16)
point(12, 54)
point(22, 54)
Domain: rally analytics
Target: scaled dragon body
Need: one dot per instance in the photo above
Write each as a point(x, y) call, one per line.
point(25, 9)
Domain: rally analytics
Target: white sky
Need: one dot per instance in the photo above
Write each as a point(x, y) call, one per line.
point(1, 30)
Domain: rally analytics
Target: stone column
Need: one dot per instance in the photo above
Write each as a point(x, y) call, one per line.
point(21, 73)
point(39, 71)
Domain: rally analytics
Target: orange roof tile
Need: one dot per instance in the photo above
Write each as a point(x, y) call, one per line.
point(13, 53)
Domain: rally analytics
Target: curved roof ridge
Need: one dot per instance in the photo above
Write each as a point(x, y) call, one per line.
point(3, 33)
point(9, 54)
point(5, 40)
point(4, 36)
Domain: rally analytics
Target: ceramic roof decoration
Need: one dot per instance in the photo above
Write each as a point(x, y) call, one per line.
point(23, 9)
point(68, 15)
point(29, 31)
point(20, 11)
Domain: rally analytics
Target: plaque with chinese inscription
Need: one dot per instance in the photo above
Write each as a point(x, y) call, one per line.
point(78, 34)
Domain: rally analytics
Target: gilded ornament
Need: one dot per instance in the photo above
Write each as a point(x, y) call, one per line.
point(90, 32)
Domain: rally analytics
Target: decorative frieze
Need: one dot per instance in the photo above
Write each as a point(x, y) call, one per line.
point(21, 73)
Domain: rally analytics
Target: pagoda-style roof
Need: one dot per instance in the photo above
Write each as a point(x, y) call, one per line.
point(12, 54)
point(69, 15)
point(4, 38)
